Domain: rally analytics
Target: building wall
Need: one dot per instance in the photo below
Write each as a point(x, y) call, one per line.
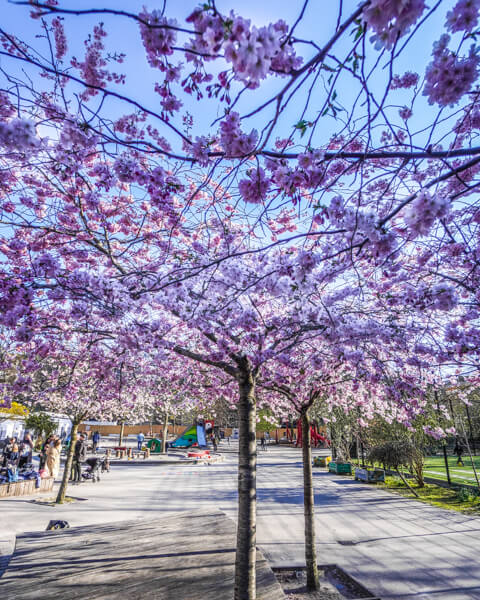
point(157, 430)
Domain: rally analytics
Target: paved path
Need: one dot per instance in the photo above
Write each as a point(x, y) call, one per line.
point(398, 548)
point(188, 555)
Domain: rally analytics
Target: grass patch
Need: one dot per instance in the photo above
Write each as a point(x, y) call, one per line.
point(435, 467)
point(435, 495)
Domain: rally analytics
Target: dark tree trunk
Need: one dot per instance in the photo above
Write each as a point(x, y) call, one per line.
point(245, 580)
point(309, 506)
point(122, 430)
point(165, 434)
point(68, 465)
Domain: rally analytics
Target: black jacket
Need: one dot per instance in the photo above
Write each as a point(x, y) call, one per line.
point(80, 452)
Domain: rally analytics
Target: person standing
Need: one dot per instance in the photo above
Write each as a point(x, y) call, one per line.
point(96, 439)
point(458, 450)
point(79, 456)
point(28, 444)
point(140, 438)
point(43, 452)
point(263, 445)
point(53, 458)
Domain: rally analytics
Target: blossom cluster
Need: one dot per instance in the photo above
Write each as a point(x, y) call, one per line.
point(92, 69)
point(390, 19)
point(158, 36)
point(60, 38)
point(18, 135)
point(253, 52)
point(448, 77)
point(234, 141)
point(407, 80)
point(463, 16)
point(254, 188)
point(424, 211)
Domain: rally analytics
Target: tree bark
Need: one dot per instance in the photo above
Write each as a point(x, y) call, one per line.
point(68, 464)
point(245, 577)
point(309, 506)
point(400, 474)
point(165, 434)
point(122, 430)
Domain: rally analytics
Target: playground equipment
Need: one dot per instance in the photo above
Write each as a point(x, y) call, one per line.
point(192, 436)
point(316, 437)
point(155, 446)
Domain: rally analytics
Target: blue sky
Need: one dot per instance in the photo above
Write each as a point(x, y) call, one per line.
point(317, 24)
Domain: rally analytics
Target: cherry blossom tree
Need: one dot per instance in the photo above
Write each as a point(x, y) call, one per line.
point(267, 186)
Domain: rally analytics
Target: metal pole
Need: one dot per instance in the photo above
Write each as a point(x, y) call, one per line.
point(472, 441)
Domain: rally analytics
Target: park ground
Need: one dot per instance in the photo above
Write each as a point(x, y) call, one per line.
point(397, 547)
point(435, 467)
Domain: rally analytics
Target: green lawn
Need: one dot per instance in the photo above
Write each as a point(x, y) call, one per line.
point(434, 495)
point(435, 467)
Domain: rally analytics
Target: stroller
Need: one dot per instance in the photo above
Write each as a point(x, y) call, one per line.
point(94, 466)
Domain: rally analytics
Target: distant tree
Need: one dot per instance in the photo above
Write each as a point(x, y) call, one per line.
point(40, 423)
point(395, 455)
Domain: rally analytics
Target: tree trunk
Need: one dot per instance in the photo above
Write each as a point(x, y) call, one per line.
point(309, 506)
point(122, 431)
point(165, 434)
point(400, 474)
point(68, 464)
point(245, 580)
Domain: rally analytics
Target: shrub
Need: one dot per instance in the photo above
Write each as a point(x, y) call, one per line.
point(466, 495)
point(395, 455)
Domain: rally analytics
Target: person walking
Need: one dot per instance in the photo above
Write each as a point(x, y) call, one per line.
point(53, 458)
point(263, 445)
point(96, 440)
point(140, 439)
point(458, 450)
point(79, 456)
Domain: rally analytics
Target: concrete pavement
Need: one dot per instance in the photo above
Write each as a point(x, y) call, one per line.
point(398, 548)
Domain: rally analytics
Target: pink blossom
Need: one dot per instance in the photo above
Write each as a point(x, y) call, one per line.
point(157, 36)
point(463, 16)
point(60, 38)
point(200, 149)
point(423, 211)
point(19, 135)
point(255, 188)
point(93, 66)
point(436, 433)
point(390, 19)
point(253, 52)
point(407, 80)
point(234, 141)
point(405, 113)
point(448, 77)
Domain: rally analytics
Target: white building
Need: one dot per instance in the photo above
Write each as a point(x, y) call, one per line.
point(14, 426)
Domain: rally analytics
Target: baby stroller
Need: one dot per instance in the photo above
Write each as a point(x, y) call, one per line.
point(94, 465)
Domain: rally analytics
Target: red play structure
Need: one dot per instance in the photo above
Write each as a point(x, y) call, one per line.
point(316, 437)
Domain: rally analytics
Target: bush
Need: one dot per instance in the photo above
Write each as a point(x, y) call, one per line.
point(466, 495)
point(395, 455)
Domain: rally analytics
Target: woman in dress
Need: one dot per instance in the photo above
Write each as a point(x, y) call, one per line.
point(53, 458)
